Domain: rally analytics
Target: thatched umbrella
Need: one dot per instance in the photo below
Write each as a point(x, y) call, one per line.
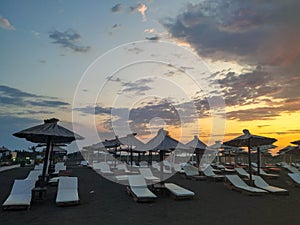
point(296, 142)
point(162, 143)
point(131, 142)
point(249, 140)
point(50, 133)
point(198, 146)
point(218, 146)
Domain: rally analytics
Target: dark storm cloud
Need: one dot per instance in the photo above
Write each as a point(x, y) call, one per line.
point(68, 39)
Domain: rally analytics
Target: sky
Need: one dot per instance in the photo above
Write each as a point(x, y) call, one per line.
point(209, 68)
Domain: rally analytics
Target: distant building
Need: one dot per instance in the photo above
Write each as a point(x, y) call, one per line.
point(4, 151)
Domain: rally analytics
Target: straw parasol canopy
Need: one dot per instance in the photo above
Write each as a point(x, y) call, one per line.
point(50, 133)
point(218, 146)
point(162, 143)
point(249, 140)
point(198, 145)
point(296, 142)
point(132, 143)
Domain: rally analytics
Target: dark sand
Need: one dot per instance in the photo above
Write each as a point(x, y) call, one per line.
point(109, 203)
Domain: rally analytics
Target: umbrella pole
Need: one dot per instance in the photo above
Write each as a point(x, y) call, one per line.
point(258, 161)
point(131, 156)
point(46, 161)
point(249, 162)
point(161, 159)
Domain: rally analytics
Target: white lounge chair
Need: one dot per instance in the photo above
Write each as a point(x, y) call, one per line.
point(148, 175)
point(167, 166)
point(225, 169)
point(264, 174)
point(60, 166)
point(38, 167)
point(138, 189)
point(67, 191)
point(178, 192)
point(20, 195)
point(103, 167)
point(124, 168)
point(143, 164)
point(289, 167)
point(261, 183)
point(178, 168)
point(34, 175)
point(84, 163)
point(192, 172)
point(234, 182)
point(295, 177)
point(210, 174)
point(242, 172)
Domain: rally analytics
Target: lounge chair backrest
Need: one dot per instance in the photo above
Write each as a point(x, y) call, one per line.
point(122, 167)
point(96, 166)
point(236, 180)
point(137, 181)
point(143, 164)
point(177, 167)
point(23, 186)
point(209, 171)
point(68, 183)
point(254, 164)
point(259, 182)
point(167, 163)
point(38, 167)
point(190, 170)
point(146, 172)
point(104, 166)
point(60, 166)
point(241, 171)
point(33, 175)
point(292, 169)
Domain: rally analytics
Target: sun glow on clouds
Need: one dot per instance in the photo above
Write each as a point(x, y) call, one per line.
point(142, 8)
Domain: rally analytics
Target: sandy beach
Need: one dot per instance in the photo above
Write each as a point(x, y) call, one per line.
point(105, 202)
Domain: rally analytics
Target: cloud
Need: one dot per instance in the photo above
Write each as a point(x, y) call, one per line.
point(138, 87)
point(115, 26)
point(248, 30)
point(12, 97)
point(5, 24)
point(264, 113)
point(48, 103)
point(141, 8)
point(69, 40)
point(116, 8)
point(150, 31)
point(153, 38)
point(36, 34)
point(13, 92)
point(11, 124)
point(261, 34)
point(154, 112)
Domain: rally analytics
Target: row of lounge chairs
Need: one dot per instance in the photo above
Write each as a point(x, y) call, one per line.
point(261, 186)
point(294, 172)
point(21, 194)
point(235, 181)
point(138, 182)
point(140, 192)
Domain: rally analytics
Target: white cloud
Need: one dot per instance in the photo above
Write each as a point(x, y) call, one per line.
point(5, 24)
